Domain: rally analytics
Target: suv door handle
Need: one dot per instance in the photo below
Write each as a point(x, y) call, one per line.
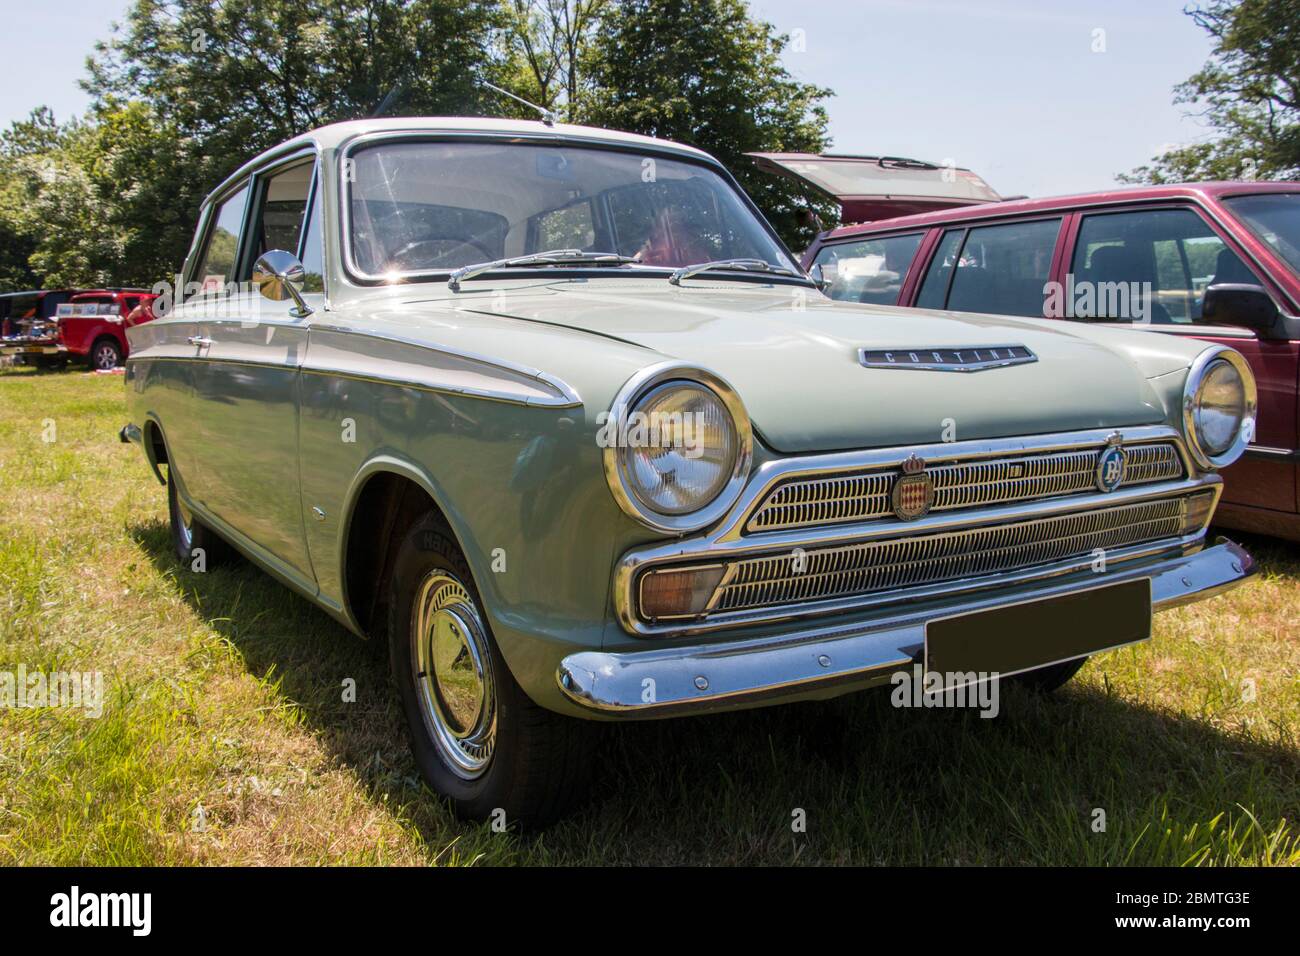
point(202, 341)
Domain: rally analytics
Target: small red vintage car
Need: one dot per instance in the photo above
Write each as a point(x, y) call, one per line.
point(92, 327)
point(1218, 261)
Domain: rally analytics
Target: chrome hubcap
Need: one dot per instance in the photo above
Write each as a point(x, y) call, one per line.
point(453, 674)
point(105, 357)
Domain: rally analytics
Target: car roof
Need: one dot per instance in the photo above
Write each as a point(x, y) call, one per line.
point(335, 135)
point(1017, 207)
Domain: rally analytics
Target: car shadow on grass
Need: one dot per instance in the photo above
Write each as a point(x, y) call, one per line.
point(1082, 776)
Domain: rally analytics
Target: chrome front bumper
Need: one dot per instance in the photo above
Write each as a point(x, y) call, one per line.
point(826, 660)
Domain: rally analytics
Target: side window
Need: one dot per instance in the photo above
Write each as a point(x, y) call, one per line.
point(1004, 269)
point(934, 290)
point(216, 266)
point(1151, 265)
point(871, 270)
point(282, 211)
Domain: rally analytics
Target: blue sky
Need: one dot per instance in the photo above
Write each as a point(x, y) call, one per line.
point(1010, 88)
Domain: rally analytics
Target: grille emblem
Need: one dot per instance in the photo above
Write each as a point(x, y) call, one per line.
point(913, 493)
point(1110, 463)
point(968, 359)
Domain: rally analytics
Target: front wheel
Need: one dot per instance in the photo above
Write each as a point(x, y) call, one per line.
point(105, 355)
point(476, 736)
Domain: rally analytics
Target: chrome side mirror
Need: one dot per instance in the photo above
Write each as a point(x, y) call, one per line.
point(279, 275)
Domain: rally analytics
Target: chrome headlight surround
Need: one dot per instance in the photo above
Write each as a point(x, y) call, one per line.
point(1196, 379)
point(637, 388)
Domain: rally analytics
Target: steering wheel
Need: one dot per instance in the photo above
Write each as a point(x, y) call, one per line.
point(426, 253)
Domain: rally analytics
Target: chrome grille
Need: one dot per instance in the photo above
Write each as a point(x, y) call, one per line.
point(862, 496)
point(862, 568)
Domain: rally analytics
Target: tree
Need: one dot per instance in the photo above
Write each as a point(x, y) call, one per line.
point(548, 40)
point(21, 147)
point(703, 72)
point(1249, 91)
point(226, 81)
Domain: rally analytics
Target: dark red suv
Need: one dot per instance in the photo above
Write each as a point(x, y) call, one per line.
point(1218, 261)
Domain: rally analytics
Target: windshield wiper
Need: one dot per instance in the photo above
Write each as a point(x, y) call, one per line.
point(743, 265)
point(551, 257)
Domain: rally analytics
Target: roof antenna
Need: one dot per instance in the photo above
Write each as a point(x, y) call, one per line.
point(387, 101)
point(547, 116)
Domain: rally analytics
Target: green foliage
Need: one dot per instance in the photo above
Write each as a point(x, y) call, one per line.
point(1249, 91)
point(704, 72)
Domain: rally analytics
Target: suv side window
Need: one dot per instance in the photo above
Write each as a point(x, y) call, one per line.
point(1153, 264)
point(934, 290)
point(869, 270)
point(1003, 269)
point(216, 266)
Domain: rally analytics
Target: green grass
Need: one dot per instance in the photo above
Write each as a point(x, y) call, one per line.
point(224, 693)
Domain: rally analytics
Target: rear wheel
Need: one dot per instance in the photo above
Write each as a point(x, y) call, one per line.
point(475, 735)
point(197, 546)
point(1052, 677)
point(105, 355)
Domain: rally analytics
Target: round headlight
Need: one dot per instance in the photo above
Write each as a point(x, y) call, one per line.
point(677, 448)
point(1219, 407)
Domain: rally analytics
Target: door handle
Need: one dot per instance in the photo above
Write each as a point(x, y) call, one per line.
point(201, 341)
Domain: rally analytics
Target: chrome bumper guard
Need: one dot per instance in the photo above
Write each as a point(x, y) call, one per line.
point(821, 661)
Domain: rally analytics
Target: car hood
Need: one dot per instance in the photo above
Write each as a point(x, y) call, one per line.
point(792, 355)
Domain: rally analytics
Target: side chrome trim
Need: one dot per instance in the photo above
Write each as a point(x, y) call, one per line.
point(823, 661)
point(546, 390)
point(729, 540)
point(550, 391)
point(1265, 453)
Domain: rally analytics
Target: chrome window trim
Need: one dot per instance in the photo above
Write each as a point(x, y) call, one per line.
point(346, 149)
point(248, 178)
point(1195, 376)
point(730, 540)
point(632, 391)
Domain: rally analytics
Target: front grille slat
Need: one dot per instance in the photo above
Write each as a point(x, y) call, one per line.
point(861, 568)
point(865, 496)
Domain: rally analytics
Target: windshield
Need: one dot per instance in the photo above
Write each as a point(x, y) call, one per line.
point(1274, 218)
point(421, 207)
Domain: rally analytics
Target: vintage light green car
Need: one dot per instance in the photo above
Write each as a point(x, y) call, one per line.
point(553, 412)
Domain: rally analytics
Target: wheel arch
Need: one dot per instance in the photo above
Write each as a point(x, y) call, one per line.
point(387, 495)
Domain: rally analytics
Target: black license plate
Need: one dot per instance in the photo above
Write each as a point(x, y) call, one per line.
point(1020, 637)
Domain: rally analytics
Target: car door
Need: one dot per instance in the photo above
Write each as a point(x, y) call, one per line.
point(248, 354)
point(1176, 252)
